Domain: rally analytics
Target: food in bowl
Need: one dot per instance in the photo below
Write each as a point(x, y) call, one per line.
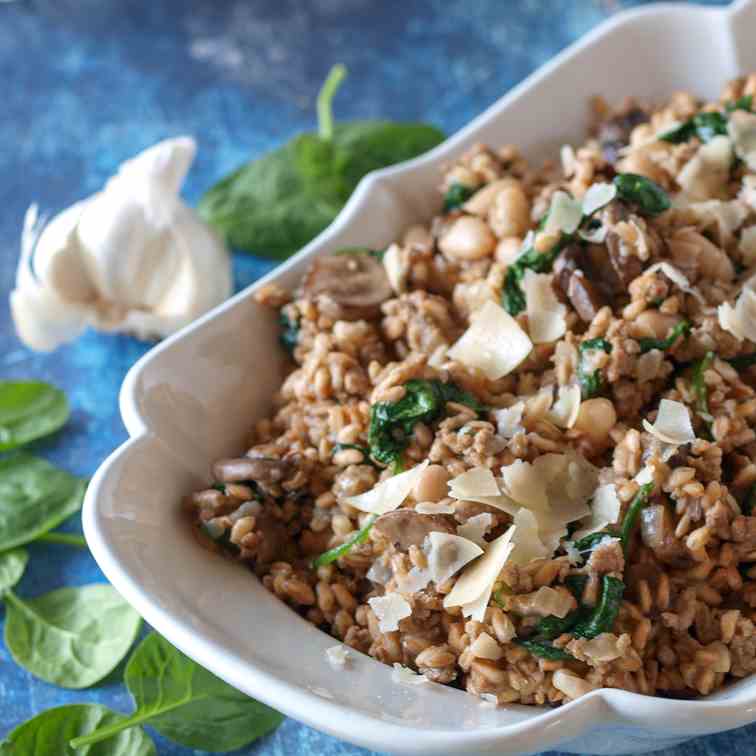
point(515, 451)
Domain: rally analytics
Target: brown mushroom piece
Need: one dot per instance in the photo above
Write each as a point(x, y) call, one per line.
point(614, 133)
point(273, 537)
point(356, 285)
point(586, 297)
point(259, 469)
point(627, 267)
point(406, 527)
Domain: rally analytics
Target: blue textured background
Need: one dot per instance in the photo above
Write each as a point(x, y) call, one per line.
point(87, 83)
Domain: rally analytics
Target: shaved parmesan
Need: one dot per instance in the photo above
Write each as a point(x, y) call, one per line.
point(509, 420)
point(476, 528)
point(707, 173)
point(741, 128)
point(672, 423)
point(485, 647)
point(528, 545)
point(413, 581)
point(434, 507)
point(338, 656)
point(565, 214)
point(494, 343)
point(597, 196)
point(548, 601)
point(388, 494)
point(479, 481)
point(396, 271)
point(472, 590)
point(379, 572)
point(676, 276)
point(564, 411)
point(447, 554)
point(406, 676)
point(546, 314)
point(389, 610)
point(740, 320)
point(605, 510)
point(524, 485)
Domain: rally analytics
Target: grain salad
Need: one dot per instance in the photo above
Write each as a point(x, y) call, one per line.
point(515, 450)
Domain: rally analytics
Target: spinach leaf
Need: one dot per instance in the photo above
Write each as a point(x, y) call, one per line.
point(602, 618)
point(185, 703)
point(391, 423)
point(64, 539)
point(743, 361)
point(699, 384)
point(705, 126)
point(35, 497)
point(681, 329)
point(456, 196)
point(545, 650)
point(591, 383)
point(29, 410)
point(72, 637)
point(640, 191)
point(512, 296)
point(586, 544)
point(278, 203)
point(289, 336)
point(576, 585)
point(633, 513)
point(742, 103)
point(548, 628)
point(12, 567)
point(338, 551)
point(49, 733)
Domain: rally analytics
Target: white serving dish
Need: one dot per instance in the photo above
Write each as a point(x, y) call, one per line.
point(192, 399)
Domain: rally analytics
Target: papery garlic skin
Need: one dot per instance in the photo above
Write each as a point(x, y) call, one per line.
point(132, 258)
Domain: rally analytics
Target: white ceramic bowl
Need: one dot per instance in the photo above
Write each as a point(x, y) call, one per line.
point(192, 399)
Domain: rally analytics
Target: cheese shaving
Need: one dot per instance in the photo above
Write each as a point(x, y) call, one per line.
point(476, 528)
point(741, 128)
point(479, 481)
point(413, 581)
point(434, 507)
point(523, 484)
point(740, 320)
point(707, 173)
point(485, 647)
point(597, 196)
point(564, 412)
point(494, 343)
point(406, 676)
point(672, 424)
point(390, 610)
point(389, 494)
point(528, 545)
point(605, 510)
point(472, 590)
point(447, 554)
point(509, 420)
point(546, 314)
point(678, 278)
point(338, 656)
point(565, 214)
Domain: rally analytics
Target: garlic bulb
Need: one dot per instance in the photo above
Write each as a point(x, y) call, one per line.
point(132, 258)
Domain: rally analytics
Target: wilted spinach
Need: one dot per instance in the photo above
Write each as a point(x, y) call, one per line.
point(338, 551)
point(602, 618)
point(633, 513)
point(51, 731)
point(699, 383)
point(278, 203)
point(546, 650)
point(391, 423)
point(591, 383)
point(647, 196)
point(681, 329)
point(29, 410)
point(456, 196)
point(185, 703)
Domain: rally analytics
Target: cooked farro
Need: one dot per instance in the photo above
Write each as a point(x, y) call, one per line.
point(574, 513)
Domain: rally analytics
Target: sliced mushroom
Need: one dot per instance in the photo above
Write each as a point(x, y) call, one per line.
point(627, 267)
point(584, 296)
point(356, 284)
point(614, 133)
point(260, 470)
point(406, 527)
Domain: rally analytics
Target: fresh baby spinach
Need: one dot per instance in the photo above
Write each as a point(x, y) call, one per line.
point(35, 497)
point(71, 637)
point(648, 197)
point(64, 539)
point(275, 205)
point(49, 734)
point(29, 410)
point(185, 703)
point(12, 567)
point(391, 423)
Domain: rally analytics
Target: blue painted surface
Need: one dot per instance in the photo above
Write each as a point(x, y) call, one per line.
point(87, 83)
